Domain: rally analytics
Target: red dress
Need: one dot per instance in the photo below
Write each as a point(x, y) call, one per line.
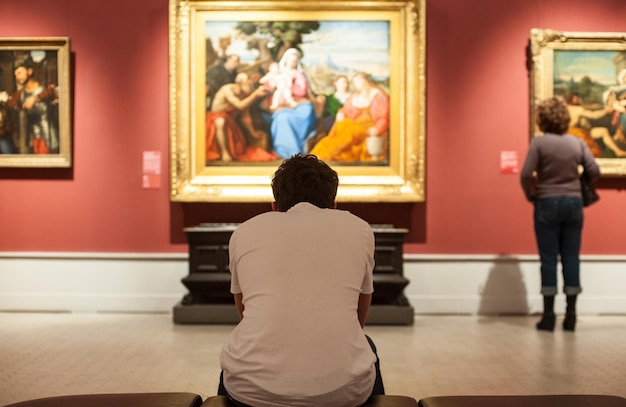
point(235, 139)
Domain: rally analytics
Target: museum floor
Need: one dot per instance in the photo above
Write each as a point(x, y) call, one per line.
point(48, 354)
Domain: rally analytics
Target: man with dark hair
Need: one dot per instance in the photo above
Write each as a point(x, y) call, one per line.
point(316, 183)
point(219, 75)
point(302, 281)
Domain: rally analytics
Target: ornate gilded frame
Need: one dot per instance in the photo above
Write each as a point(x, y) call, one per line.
point(591, 61)
point(50, 58)
point(400, 180)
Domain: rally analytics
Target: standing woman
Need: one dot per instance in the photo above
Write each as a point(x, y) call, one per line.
point(555, 193)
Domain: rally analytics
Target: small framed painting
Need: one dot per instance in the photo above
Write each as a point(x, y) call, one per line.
point(35, 128)
point(587, 69)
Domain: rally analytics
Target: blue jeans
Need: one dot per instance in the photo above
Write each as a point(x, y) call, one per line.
point(558, 226)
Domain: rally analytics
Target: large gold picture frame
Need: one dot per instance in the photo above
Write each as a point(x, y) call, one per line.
point(332, 38)
point(35, 105)
point(587, 69)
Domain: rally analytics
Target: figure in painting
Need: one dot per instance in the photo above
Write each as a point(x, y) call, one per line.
point(615, 98)
point(594, 136)
point(36, 105)
point(220, 75)
point(292, 125)
point(279, 85)
point(7, 146)
point(225, 139)
point(330, 105)
point(335, 100)
point(361, 127)
point(306, 95)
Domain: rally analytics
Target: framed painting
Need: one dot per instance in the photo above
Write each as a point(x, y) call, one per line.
point(589, 71)
point(253, 83)
point(35, 128)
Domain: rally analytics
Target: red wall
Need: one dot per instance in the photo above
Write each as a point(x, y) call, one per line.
point(477, 106)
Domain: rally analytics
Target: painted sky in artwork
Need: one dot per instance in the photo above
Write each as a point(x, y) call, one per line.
point(359, 46)
point(597, 65)
point(353, 45)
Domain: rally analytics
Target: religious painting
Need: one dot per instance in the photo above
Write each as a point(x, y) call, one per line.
point(254, 83)
point(588, 70)
point(35, 102)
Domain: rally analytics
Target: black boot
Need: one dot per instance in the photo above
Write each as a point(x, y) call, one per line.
point(569, 323)
point(548, 319)
point(547, 322)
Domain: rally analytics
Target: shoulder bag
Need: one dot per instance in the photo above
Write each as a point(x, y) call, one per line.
point(589, 194)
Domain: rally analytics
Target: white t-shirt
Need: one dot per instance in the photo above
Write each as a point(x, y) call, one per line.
point(300, 343)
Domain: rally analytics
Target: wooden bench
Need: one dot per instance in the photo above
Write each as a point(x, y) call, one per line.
point(117, 400)
point(524, 401)
point(375, 401)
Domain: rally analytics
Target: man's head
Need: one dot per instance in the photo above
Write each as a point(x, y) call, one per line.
point(304, 178)
point(23, 70)
point(573, 99)
point(232, 62)
point(243, 80)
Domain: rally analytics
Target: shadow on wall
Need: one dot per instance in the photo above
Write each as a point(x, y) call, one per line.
point(504, 291)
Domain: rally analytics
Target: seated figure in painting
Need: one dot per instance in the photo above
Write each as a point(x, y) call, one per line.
point(292, 125)
point(329, 106)
point(594, 127)
point(280, 86)
point(595, 137)
point(615, 99)
point(229, 110)
point(361, 122)
point(335, 101)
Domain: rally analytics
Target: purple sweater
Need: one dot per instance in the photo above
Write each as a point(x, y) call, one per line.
point(555, 159)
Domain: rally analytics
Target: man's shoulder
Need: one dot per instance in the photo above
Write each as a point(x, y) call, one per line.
point(255, 226)
point(350, 216)
point(269, 216)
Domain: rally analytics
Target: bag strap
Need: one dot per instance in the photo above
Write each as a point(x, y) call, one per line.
point(582, 154)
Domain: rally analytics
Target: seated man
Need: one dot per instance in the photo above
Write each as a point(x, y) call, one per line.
point(302, 280)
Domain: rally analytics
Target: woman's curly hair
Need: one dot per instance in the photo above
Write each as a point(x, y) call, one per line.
point(553, 116)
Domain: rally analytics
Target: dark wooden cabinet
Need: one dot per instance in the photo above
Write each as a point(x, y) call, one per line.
point(208, 282)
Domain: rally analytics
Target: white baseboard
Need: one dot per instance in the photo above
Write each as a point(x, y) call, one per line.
point(485, 284)
point(91, 282)
point(439, 284)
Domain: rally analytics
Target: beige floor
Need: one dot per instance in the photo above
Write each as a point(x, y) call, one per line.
point(56, 354)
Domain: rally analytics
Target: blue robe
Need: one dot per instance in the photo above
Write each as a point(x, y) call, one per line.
point(291, 128)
